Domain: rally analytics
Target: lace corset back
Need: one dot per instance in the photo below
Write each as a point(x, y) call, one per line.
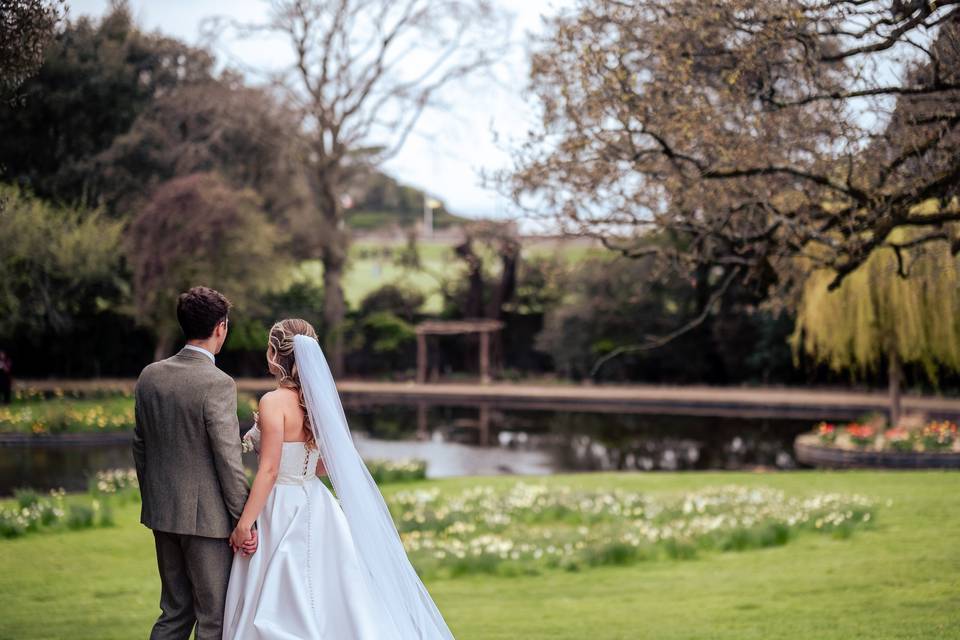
point(298, 464)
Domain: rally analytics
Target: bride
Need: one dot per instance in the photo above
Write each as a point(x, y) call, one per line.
point(324, 568)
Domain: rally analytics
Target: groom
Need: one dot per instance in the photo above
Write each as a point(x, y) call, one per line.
point(186, 447)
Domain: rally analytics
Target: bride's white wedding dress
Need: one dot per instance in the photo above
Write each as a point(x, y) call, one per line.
point(305, 580)
point(327, 568)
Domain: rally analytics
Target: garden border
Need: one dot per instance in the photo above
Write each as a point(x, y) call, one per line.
point(59, 439)
point(808, 451)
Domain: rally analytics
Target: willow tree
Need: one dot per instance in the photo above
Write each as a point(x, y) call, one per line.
point(876, 315)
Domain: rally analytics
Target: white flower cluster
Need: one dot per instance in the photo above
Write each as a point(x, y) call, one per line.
point(29, 516)
point(115, 480)
point(555, 525)
point(384, 471)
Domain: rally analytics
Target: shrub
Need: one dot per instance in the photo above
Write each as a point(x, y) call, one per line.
point(899, 439)
point(26, 498)
point(861, 435)
point(386, 471)
point(938, 436)
point(12, 524)
point(827, 432)
point(81, 516)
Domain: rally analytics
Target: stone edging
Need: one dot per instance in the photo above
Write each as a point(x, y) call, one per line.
point(64, 439)
point(809, 451)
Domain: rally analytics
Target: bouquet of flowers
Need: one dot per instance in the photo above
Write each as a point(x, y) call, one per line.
point(251, 440)
point(938, 436)
point(861, 435)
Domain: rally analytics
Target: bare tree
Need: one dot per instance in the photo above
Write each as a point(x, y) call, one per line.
point(364, 72)
point(768, 137)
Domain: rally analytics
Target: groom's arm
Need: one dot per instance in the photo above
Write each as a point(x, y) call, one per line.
point(223, 430)
point(139, 452)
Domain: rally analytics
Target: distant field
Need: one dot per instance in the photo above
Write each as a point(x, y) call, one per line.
point(373, 265)
point(369, 220)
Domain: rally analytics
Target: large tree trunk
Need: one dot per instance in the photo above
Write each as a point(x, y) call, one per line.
point(473, 305)
point(163, 347)
point(334, 258)
point(334, 310)
point(895, 376)
point(503, 293)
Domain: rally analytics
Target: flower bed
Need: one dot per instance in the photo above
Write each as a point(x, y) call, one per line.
point(938, 436)
point(934, 444)
point(33, 394)
point(67, 413)
point(386, 471)
point(529, 527)
point(31, 511)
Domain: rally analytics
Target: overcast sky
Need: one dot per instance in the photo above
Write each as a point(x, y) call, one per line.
point(449, 149)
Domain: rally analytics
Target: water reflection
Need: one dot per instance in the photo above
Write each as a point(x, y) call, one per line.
point(484, 440)
point(536, 441)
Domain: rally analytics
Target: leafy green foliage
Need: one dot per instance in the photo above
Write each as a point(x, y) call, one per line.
point(57, 263)
point(96, 78)
point(199, 229)
point(398, 300)
point(26, 28)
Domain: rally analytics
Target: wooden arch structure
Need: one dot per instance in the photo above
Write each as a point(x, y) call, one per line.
point(483, 326)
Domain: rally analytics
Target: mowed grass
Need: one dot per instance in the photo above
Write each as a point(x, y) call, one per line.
point(371, 266)
point(897, 579)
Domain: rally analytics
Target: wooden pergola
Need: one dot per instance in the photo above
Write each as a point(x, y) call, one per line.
point(483, 326)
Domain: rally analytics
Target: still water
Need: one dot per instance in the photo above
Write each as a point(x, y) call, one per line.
point(457, 441)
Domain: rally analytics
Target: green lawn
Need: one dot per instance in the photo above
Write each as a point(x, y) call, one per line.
point(368, 270)
point(370, 267)
point(898, 579)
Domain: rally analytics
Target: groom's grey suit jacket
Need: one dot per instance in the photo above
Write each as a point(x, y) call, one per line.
point(187, 449)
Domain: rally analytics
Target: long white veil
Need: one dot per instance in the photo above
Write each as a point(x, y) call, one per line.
point(386, 567)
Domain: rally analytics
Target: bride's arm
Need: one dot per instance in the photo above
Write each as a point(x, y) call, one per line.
point(271, 443)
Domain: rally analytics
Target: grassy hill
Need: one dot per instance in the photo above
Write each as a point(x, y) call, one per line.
point(372, 220)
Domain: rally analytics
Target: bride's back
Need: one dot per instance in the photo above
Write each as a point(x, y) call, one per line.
point(287, 402)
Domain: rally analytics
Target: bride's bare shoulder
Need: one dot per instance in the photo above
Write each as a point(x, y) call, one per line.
point(279, 399)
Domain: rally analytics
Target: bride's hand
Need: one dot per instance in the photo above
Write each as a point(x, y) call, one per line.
point(243, 539)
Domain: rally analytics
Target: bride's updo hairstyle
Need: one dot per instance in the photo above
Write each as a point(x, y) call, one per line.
point(283, 364)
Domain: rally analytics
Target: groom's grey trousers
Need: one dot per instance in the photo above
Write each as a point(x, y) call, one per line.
point(194, 572)
point(186, 447)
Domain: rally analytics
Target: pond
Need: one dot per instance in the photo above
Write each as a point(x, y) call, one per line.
point(457, 441)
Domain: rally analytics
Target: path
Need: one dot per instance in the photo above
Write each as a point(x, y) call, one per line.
point(733, 401)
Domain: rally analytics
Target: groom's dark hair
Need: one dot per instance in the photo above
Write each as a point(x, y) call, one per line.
point(200, 310)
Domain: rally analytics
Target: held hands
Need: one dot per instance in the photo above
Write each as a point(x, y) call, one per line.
point(244, 540)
